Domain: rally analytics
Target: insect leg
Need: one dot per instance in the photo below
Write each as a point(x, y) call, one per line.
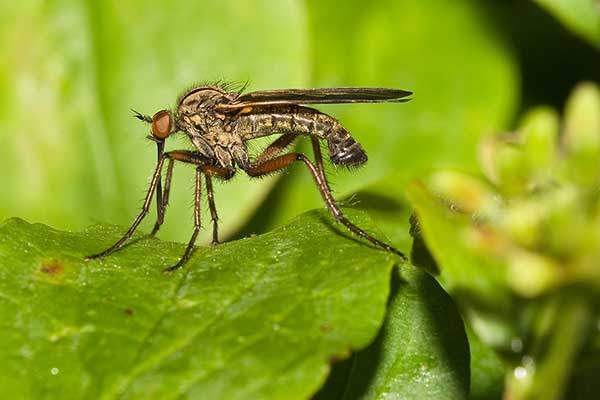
point(141, 215)
point(190, 247)
point(209, 171)
point(160, 149)
point(283, 161)
point(272, 165)
point(276, 147)
point(198, 159)
point(163, 202)
point(331, 204)
point(213, 209)
point(203, 166)
point(319, 160)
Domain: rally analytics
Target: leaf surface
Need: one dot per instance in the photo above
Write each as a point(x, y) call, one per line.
point(261, 317)
point(420, 353)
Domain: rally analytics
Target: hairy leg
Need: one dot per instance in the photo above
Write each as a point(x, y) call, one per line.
point(184, 156)
point(213, 209)
point(190, 247)
point(274, 164)
point(163, 201)
point(141, 215)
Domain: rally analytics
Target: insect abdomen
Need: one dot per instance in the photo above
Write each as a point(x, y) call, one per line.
point(343, 148)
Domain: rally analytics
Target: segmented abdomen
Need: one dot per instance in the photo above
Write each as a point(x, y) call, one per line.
point(343, 149)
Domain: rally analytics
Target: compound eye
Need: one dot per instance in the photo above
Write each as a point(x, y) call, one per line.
point(161, 124)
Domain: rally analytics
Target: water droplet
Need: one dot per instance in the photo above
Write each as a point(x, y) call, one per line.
point(520, 373)
point(54, 371)
point(516, 345)
point(527, 362)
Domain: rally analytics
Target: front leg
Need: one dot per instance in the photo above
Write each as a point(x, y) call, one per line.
point(163, 201)
point(141, 215)
point(160, 148)
point(204, 164)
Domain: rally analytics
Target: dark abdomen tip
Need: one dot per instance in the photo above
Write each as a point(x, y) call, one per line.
point(352, 155)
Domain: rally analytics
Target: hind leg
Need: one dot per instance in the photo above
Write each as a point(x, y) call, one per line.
point(280, 162)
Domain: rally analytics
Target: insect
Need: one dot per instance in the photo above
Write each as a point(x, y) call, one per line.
point(219, 122)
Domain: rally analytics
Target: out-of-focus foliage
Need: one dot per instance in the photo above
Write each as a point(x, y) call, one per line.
point(520, 251)
point(72, 154)
point(581, 16)
point(464, 82)
point(80, 67)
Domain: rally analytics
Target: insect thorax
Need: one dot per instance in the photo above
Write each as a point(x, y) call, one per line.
point(198, 107)
point(208, 129)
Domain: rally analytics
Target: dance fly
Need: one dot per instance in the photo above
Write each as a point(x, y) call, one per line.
point(220, 122)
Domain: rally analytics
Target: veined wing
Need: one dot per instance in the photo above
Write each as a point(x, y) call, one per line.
point(318, 96)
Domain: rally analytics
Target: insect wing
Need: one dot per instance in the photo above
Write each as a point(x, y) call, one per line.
point(318, 96)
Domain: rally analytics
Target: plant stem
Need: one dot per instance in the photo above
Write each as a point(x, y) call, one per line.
point(545, 374)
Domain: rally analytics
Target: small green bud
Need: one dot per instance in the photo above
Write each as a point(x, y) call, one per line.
point(531, 274)
point(468, 194)
point(504, 163)
point(581, 137)
point(539, 134)
point(521, 222)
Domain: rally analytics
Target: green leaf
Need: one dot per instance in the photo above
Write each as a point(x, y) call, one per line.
point(580, 16)
point(71, 72)
point(256, 318)
point(421, 352)
point(487, 371)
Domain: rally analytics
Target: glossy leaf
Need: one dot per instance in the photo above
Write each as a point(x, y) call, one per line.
point(420, 353)
point(487, 371)
point(257, 318)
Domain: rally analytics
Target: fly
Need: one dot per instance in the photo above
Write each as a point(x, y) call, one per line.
point(219, 122)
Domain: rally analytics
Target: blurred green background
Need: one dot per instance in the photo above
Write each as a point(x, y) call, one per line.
point(72, 155)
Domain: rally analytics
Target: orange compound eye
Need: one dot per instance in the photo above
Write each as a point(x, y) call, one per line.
point(161, 124)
